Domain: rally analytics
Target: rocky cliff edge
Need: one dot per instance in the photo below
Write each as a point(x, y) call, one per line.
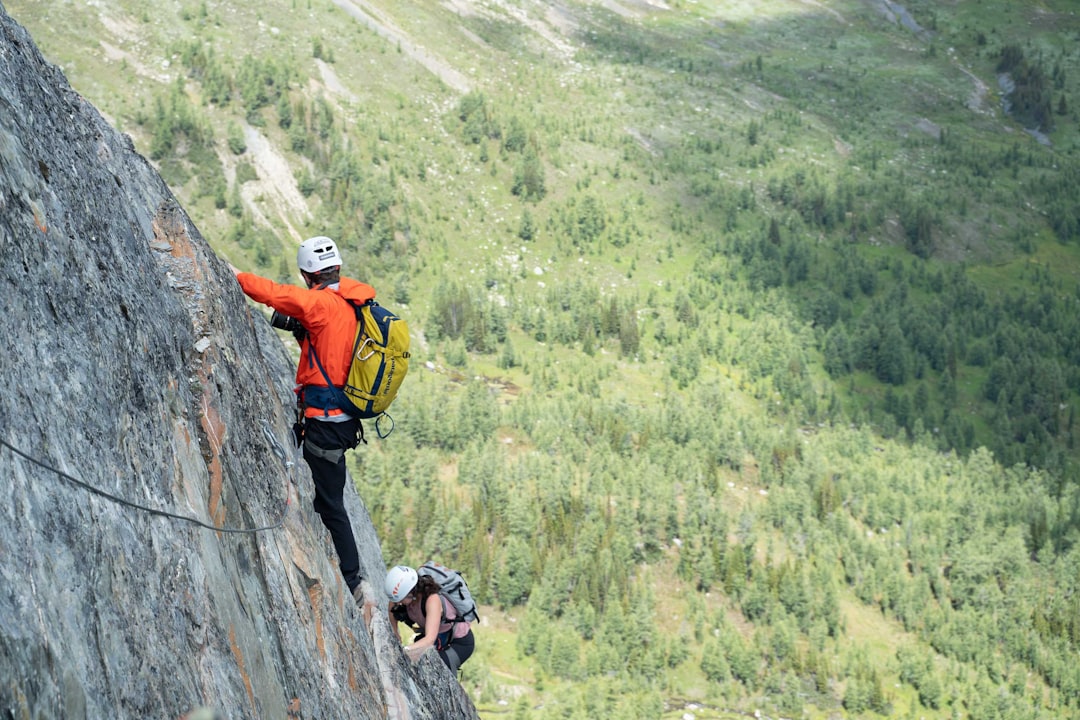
point(144, 400)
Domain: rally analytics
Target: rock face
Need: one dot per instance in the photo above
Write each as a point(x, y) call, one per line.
point(140, 391)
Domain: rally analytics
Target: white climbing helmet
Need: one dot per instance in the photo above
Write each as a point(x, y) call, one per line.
point(400, 580)
point(317, 253)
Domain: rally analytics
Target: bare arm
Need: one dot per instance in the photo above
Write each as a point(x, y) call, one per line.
point(432, 619)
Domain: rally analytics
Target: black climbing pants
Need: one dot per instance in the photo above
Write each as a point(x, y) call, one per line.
point(325, 444)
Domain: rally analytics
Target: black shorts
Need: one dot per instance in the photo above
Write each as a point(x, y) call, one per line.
point(458, 651)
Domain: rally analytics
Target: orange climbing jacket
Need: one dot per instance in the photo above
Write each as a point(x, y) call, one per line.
point(330, 322)
point(354, 353)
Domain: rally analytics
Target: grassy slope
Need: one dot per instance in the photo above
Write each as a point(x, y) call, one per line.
point(613, 116)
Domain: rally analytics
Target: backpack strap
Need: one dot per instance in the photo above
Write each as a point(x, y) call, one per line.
point(449, 621)
point(331, 397)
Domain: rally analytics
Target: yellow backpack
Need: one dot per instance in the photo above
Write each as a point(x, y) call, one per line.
point(380, 359)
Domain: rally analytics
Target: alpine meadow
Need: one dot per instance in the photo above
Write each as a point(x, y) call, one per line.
point(745, 334)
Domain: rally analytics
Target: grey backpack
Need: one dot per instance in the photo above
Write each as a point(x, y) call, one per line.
point(453, 587)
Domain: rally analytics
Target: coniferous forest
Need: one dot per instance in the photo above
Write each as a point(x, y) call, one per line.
point(746, 336)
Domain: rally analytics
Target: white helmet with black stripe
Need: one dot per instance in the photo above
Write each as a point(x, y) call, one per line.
point(317, 254)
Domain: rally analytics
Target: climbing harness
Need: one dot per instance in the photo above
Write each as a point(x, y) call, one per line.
point(268, 433)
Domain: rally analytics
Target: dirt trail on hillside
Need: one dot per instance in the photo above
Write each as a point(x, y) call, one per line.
point(332, 82)
point(555, 27)
point(976, 100)
point(369, 15)
point(824, 8)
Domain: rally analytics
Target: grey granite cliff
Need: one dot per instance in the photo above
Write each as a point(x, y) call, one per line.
point(139, 391)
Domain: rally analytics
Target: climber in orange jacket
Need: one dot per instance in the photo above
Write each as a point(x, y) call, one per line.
point(323, 320)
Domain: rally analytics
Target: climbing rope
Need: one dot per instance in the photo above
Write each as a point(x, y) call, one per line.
point(267, 432)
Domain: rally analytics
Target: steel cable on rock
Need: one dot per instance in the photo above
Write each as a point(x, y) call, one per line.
point(267, 432)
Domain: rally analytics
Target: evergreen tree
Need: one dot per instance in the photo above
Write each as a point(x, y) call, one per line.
point(713, 662)
point(527, 229)
point(514, 579)
point(235, 139)
point(529, 181)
